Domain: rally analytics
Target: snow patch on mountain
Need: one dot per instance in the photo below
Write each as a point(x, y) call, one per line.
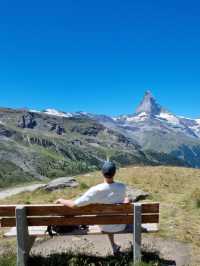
point(183, 117)
point(57, 113)
point(54, 112)
point(84, 113)
point(131, 118)
point(196, 127)
point(138, 118)
point(198, 121)
point(34, 111)
point(149, 114)
point(169, 118)
point(115, 118)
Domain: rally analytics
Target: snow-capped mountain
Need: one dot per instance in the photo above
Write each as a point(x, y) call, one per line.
point(193, 124)
point(149, 115)
point(149, 105)
point(149, 112)
point(57, 113)
point(148, 108)
point(54, 112)
point(151, 134)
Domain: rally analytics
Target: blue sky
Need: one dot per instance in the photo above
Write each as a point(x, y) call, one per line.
point(100, 56)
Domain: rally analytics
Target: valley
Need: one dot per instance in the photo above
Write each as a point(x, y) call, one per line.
point(35, 145)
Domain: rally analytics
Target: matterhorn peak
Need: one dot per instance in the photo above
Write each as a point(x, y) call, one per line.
point(149, 105)
point(148, 94)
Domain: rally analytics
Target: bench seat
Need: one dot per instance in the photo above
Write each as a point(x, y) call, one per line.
point(40, 231)
point(30, 221)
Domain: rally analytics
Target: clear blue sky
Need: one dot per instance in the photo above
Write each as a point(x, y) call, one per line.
point(100, 56)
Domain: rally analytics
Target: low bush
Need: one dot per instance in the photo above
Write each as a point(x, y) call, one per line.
point(125, 259)
point(67, 259)
point(196, 197)
point(8, 260)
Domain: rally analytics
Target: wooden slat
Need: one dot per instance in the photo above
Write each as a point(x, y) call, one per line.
point(84, 220)
point(87, 210)
point(150, 208)
point(45, 210)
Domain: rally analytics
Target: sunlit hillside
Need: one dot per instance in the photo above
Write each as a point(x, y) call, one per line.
point(177, 189)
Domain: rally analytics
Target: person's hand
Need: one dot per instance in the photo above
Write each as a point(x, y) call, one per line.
point(67, 203)
point(127, 200)
point(59, 201)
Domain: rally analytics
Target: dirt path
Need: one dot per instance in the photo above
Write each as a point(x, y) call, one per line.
point(17, 190)
point(168, 250)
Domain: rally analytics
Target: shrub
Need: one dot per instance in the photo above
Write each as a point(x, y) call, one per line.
point(196, 197)
point(83, 186)
point(198, 203)
point(8, 260)
point(74, 259)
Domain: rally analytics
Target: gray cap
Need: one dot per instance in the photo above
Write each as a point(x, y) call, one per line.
point(109, 169)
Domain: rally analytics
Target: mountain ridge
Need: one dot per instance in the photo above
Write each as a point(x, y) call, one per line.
point(148, 107)
point(52, 143)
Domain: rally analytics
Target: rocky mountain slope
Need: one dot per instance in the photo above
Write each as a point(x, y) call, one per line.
point(157, 129)
point(50, 143)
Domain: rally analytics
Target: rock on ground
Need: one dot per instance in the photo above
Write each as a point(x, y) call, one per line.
point(136, 194)
point(60, 183)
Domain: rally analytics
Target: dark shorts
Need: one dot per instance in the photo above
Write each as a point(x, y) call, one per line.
point(129, 228)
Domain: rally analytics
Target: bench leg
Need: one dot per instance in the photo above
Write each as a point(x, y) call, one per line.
point(24, 242)
point(137, 233)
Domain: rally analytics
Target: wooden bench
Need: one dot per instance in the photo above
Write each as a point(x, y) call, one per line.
point(27, 217)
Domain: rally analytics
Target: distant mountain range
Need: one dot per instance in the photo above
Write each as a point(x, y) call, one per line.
point(51, 143)
point(149, 111)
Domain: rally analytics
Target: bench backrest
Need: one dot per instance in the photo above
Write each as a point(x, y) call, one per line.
point(44, 215)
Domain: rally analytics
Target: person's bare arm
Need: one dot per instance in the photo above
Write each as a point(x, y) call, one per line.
point(127, 200)
point(67, 203)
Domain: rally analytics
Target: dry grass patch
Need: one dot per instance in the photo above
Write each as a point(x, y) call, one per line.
point(177, 189)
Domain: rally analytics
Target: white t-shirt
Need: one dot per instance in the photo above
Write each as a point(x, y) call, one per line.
point(106, 194)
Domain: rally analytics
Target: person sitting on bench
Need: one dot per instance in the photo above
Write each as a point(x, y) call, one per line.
point(109, 192)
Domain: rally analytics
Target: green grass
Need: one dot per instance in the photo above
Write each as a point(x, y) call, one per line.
point(196, 197)
point(70, 259)
point(177, 190)
point(11, 174)
point(8, 260)
point(83, 186)
point(198, 203)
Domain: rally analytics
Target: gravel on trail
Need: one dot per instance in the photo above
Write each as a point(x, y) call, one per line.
point(17, 190)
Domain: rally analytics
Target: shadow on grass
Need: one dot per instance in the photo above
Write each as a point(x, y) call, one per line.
point(124, 259)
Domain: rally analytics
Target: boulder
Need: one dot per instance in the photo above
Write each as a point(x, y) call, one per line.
point(60, 183)
point(135, 194)
point(6, 132)
point(27, 121)
point(60, 130)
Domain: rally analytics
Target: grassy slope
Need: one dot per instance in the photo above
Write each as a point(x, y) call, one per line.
point(81, 148)
point(177, 189)
point(11, 174)
point(43, 153)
